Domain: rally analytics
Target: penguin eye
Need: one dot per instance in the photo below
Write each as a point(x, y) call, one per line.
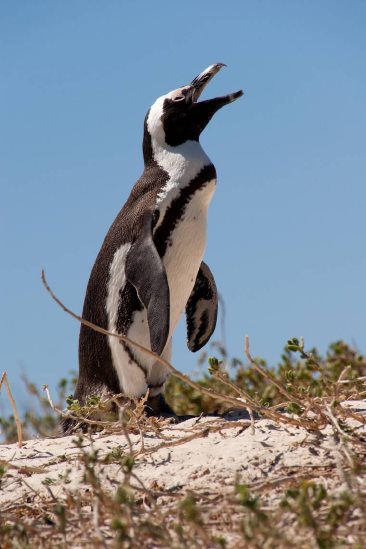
point(179, 98)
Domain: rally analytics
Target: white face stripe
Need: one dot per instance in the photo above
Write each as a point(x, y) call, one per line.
point(154, 123)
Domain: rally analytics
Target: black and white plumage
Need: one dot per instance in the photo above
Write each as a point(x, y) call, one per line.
point(149, 269)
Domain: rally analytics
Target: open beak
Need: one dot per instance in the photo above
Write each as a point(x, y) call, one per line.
point(199, 83)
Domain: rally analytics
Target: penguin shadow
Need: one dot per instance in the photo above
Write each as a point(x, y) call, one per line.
point(158, 407)
point(232, 415)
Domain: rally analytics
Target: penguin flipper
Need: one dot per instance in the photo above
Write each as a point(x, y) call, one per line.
point(201, 309)
point(145, 271)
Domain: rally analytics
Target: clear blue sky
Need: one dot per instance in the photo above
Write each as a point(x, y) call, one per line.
point(286, 236)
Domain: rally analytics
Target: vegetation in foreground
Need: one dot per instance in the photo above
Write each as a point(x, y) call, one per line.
point(298, 510)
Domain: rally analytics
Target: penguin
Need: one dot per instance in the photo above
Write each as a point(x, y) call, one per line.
point(150, 267)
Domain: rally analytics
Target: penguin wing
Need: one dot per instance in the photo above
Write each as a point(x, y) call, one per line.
point(145, 271)
point(201, 309)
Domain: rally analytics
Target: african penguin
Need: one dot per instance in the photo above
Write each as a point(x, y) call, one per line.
point(149, 268)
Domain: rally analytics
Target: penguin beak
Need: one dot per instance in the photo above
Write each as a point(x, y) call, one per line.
point(199, 83)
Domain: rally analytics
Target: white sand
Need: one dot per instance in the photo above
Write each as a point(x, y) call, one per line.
point(209, 462)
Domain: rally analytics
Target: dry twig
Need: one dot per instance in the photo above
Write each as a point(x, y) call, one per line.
point(4, 380)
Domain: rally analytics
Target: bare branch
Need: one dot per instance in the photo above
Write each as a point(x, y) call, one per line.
point(4, 380)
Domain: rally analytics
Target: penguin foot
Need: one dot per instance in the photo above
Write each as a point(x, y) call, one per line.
point(157, 406)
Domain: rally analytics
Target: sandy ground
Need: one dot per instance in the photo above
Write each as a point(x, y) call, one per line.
point(204, 455)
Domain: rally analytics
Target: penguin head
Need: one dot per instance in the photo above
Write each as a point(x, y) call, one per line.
point(178, 116)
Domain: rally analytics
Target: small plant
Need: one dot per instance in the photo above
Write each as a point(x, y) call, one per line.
point(255, 525)
point(318, 510)
point(310, 376)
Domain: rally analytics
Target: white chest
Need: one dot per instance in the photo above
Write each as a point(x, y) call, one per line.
point(185, 251)
point(182, 164)
point(187, 241)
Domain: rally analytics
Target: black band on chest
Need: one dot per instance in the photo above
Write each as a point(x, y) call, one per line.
point(176, 210)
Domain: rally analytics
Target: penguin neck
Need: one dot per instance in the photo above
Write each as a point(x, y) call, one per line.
point(180, 160)
point(180, 163)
